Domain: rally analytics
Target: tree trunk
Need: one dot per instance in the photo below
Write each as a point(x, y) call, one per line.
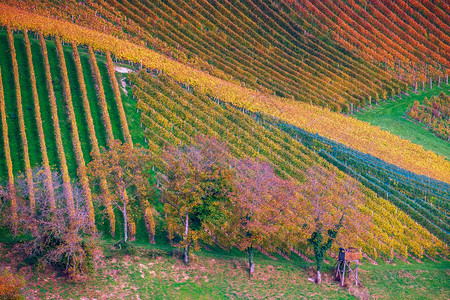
point(186, 246)
point(251, 264)
point(319, 277)
point(125, 222)
point(151, 238)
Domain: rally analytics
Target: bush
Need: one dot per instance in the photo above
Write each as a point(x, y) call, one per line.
point(11, 286)
point(55, 237)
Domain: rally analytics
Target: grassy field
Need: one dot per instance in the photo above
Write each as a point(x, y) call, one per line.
point(390, 115)
point(154, 272)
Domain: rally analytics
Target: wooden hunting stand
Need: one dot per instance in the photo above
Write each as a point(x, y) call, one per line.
point(346, 257)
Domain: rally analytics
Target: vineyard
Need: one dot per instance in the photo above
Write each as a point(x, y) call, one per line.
point(396, 44)
point(352, 133)
point(424, 199)
point(108, 107)
point(55, 91)
point(173, 115)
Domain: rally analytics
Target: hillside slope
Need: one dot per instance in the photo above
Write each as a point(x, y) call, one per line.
point(390, 115)
point(171, 114)
point(347, 130)
point(337, 54)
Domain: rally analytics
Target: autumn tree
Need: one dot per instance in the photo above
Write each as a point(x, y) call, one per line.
point(259, 212)
point(52, 236)
point(333, 200)
point(126, 170)
point(194, 182)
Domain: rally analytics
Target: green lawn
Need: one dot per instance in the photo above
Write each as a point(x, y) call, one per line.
point(133, 117)
point(96, 113)
point(390, 116)
point(110, 100)
point(153, 272)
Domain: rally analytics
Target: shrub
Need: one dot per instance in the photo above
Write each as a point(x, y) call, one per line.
point(11, 286)
point(53, 236)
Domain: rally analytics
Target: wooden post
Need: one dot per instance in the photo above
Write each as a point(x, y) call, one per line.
point(343, 275)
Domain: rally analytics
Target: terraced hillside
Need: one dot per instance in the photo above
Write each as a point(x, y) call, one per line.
point(69, 101)
point(272, 83)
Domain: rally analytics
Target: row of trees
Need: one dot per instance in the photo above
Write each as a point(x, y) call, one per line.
point(209, 197)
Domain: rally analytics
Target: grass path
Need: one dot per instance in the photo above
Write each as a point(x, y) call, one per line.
point(389, 115)
point(77, 102)
point(112, 106)
point(44, 104)
point(133, 117)
point(93, 101)
point(62, 115)
point(27, 102)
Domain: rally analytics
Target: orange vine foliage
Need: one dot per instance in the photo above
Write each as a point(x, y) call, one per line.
point(101, 95)
point(346, 130)
point(11, 286)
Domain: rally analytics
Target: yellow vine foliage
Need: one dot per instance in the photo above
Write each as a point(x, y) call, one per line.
point(101, 95)
point(23, 136)
point(57, 130)
point(81, 169)
point(346, 130)
point(7, 149)
point(92, 136)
